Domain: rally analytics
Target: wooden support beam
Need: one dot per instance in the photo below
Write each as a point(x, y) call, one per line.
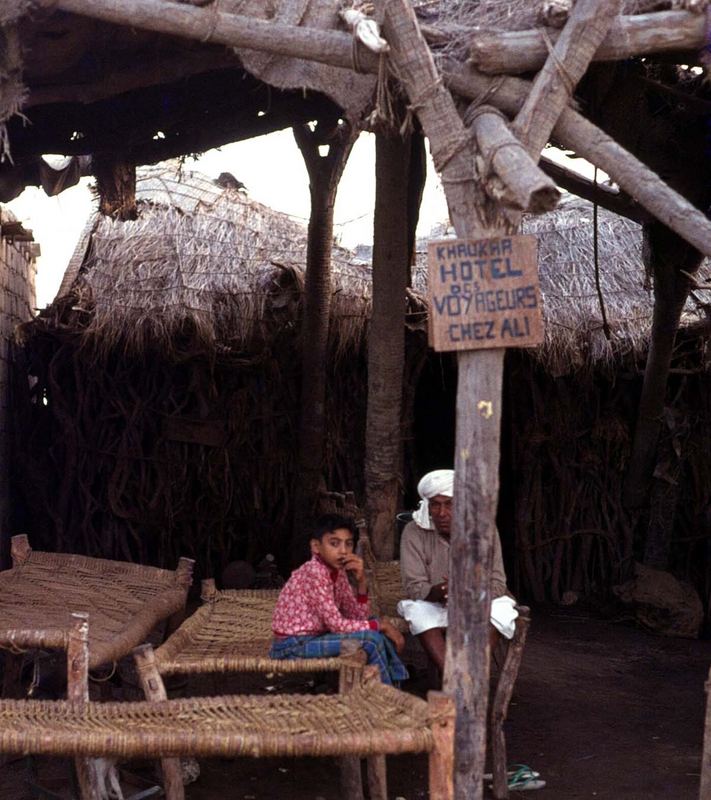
point(611, 199)
point(479, 386)
point(705, 787)
point(509, 174)
point(515, 52)
point(219, 27)
point(552, 88)
point(575, 132)
point(332, 47)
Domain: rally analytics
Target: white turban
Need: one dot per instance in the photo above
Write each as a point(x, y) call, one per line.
point(441, 481)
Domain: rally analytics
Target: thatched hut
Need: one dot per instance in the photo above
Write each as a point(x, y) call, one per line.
point(160, 415)
point(169, 368)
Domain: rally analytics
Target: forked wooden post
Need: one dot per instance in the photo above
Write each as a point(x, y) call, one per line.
point(20, 549)
point(154, 690)
point(705, 790)
point(442, 714)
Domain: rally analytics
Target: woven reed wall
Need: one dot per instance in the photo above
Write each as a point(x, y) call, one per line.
point(17, 298)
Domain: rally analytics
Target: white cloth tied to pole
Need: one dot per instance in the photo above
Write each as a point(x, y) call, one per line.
point(366, 29)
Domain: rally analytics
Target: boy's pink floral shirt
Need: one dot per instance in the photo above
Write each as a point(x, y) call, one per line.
point(317, 599)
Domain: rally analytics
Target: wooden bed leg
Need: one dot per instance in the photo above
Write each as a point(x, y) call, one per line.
point(78, 694)
point(20, 549)
point(443, 714)
point(500, 706)
point(348, 678)
point(154, 689)
point(11, 678)
point(377, 778)
point(705, 788)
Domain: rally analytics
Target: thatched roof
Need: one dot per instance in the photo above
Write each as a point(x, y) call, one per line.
point(572, 304)
point(204, 258)
point(210, 258)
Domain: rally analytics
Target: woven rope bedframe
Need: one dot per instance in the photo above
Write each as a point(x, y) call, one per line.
point(125, 600)
point(368, 719)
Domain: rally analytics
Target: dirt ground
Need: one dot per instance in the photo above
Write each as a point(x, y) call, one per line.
point(601, 709)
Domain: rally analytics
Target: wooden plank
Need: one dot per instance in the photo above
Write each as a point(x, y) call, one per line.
point(589, 22)
point(515, 52)
point(484, 293)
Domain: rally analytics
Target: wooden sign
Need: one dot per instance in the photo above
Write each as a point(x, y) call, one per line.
point(484, 293)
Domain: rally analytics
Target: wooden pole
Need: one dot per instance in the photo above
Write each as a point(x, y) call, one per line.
point(478, 413)
point(332, 47)
point(78, 695)
point(705, 788)
point(515, 52)
point(517, 182)
point(386, 340)
point(586, 27)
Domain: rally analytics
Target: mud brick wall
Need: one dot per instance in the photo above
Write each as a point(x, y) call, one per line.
point(18, 253)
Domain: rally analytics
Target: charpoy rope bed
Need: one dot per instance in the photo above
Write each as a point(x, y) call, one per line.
point(125, 600)
point(368, 719)
point(231, 632)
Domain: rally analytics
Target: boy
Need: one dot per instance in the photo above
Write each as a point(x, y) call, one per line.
point(317, 608)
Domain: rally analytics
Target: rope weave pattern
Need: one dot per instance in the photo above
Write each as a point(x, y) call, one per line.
point(232, 632)
point(124, 602)
point(371, 719)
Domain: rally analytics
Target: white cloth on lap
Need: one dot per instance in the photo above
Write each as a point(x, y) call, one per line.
point(421, 615)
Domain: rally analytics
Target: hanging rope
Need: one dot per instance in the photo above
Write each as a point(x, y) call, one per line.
point(605, 324)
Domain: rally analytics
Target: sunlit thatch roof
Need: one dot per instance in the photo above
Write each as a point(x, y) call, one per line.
point(207, 257)
point(573, 306)
point(231, 269)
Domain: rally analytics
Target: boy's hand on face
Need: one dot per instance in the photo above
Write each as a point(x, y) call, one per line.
point(389, 630)
point(354, 564)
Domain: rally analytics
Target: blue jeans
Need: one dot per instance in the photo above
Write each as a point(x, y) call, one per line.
point(378, 648)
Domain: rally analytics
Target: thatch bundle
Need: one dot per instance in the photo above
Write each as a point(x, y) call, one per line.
point(208, 259)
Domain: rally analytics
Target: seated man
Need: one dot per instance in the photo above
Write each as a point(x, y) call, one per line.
point(424, 565)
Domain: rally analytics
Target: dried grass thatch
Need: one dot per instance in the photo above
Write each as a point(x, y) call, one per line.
point(204, 258)
point(574, 310)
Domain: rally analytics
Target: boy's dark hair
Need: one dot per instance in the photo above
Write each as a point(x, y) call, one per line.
point(327, 523)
